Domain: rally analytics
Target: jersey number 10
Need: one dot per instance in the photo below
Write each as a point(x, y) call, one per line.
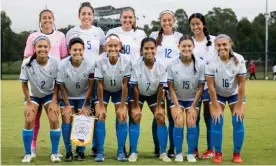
point(126, 49)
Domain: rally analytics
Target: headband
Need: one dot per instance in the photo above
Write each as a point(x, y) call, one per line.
point(167, 12)
point(41, 38)
point(110, 38)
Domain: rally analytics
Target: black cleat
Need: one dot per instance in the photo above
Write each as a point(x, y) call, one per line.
point(156, 152)
point(80, 156)
point(93, 151)
point(76, 153)
point(171, 153)
point(69, 157)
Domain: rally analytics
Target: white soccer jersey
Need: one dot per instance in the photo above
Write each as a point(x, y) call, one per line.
point(131, 41)
point(274, 69)
point(74, 79)
point(205, 53)
point(41, 79)
point(112, 75)
point(202, 51)
point(225, 74)
point(93, 39)
point(168, 51)
point(186, 80)
point(148, 80)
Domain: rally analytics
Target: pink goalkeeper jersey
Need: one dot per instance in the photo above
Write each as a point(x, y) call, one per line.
point(58, 45)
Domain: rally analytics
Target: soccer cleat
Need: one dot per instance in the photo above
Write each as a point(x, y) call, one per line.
point(33, 153)
point(196, 153)
point(99, 158)
point(59, 154)
point(69, 157)
point(133, 157)
point(121, 157)
point(27, 158)
point(55, 158)
point(77, 152)
point(218, 158)
point(208, 154)
point(156, 152)
point(237, 158)
point(164, 157)
point(179, 157)
point(171, 153)
point(93, 151)
point(80, 156)
point(191, 158)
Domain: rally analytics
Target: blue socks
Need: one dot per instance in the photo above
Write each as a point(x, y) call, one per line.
point(154, 134)
point(100, 136)
point(171, 129)
point(238, 134)
point(55, 137)
point(217, 134)
point(134, 132)
point(191, 139)
point(121, 133)
point(27, 136)
point(178, 139)
point(66, 132)
point(162, 134)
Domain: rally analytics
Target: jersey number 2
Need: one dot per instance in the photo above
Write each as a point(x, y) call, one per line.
point(42, 84)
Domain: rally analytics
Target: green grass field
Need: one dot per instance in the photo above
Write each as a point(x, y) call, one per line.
point(259, 146)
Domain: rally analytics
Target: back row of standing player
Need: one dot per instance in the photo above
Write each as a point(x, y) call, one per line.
point(167, 42)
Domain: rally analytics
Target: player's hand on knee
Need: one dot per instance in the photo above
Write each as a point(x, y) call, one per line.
point(67, 111)
point(176, 112)
point(121, 114)
point(29, 110)
point(53, 109)
point(239, 111)
point(216, 112)
point(192, 113)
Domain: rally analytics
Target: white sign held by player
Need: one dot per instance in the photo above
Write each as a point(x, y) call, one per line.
point(82, 130)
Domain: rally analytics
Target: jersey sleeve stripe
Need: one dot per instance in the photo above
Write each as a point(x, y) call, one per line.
point(201, 81)
point(98, 78)
point(58, 82)
point(133, 82)
point(171, 80)
point(241, 74)
point(23, 80)
point(209, 75)
point(162, 82)
point(126, 76)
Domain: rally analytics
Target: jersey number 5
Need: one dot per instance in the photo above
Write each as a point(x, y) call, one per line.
point(89, 45)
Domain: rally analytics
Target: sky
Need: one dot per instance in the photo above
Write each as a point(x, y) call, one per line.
point(24, 14)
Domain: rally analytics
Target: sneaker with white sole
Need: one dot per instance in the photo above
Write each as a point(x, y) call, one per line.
point(164, 157)
point(133, 157)
point(55, 158)
point(27, 158)
point(191, 158)
point(33, 153)
point(179, 157)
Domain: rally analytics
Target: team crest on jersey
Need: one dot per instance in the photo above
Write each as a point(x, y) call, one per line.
point(156, 76)
point(176, 73)
point(140, 76)
point(134, 38)
point(50, 72)
point(121, 72)
point(22, 67)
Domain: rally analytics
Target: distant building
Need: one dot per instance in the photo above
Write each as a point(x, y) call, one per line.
point(107, 17)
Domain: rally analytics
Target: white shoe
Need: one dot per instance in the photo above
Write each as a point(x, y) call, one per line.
point(27, 159)
point(55, 158)
point(191, 158)
point(164, 157)
point(133, 157)
point(59, 154)
point(179, 157)
point(33, 153)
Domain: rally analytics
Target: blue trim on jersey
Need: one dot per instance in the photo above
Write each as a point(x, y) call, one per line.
point(170, 80)
point(241, 74)
point(98, 78)
point(59, 82)
point(231, 99)
point(127, 76)
point(162, 83)
point(22, 80)
point(202, 81)
point(209, 75)
point(132, 82)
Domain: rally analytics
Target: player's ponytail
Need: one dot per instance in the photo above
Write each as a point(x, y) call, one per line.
point(29, 64)
point(159, 37)
point(194, 63)
point(205, 30)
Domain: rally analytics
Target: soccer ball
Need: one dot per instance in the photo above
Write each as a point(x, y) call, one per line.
point(266, 78)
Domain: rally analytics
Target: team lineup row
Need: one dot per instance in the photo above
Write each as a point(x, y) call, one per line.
point(131, 69)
